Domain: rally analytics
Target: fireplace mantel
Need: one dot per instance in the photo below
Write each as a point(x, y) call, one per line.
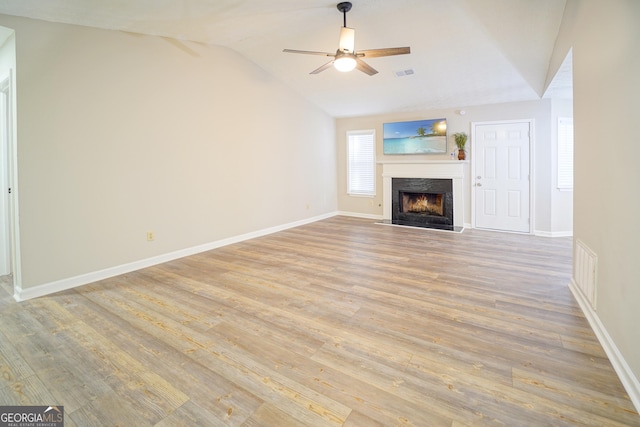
point(447, 169)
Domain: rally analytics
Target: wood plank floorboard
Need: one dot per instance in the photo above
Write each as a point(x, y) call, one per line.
point(342, 322)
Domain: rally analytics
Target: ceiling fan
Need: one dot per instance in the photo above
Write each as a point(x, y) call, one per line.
point(346, 58)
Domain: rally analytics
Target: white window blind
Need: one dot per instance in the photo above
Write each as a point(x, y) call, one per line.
point(565, 153)
point(361, 159)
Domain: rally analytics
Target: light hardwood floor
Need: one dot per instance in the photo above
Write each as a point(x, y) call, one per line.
point(342, 322)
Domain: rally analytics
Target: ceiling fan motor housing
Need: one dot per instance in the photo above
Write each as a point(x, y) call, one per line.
point(345, 6)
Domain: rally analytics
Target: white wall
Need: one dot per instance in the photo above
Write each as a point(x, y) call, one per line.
point(546, 216)
point(120, 134)
point(606, 85)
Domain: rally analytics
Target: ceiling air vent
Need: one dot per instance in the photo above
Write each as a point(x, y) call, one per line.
point(403, 73)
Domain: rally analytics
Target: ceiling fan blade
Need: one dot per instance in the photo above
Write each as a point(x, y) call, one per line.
point(347, 39)
point(322, 68)
point(308, 52)
point(389, 51)
point(365, 68)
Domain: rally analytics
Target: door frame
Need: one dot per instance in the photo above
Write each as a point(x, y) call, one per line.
point(531, 123)
point(5, 220)
point(10, 168)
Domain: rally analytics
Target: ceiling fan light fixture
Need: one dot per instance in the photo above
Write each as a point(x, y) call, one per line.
point(346, 58)
point(344, 63)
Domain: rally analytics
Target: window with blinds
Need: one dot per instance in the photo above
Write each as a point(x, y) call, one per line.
point(565, 153)
point(361, 163)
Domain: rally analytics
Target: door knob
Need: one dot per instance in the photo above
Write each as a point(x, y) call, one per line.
point(478, 184)
point(479, 177)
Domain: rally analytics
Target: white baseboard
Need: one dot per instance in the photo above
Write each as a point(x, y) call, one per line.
point(628, 379)
point(83, 279)
point(360, 215)
point(553, 233)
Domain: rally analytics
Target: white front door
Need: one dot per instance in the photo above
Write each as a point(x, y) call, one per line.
point(501, 182)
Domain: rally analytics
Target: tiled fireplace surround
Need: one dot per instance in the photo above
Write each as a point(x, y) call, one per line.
point(437, 169)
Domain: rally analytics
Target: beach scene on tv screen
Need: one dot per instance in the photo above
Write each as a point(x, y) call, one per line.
point(415, 137)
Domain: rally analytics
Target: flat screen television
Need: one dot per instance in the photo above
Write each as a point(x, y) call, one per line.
point(415, 137)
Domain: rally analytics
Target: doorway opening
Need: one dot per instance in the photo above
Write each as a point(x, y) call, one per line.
point(9, 230)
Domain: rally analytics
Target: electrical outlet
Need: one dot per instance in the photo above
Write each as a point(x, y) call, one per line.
point(371, 202)
point(151, 236)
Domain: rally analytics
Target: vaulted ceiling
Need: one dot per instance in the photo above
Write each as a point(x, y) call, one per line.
point(463, 52)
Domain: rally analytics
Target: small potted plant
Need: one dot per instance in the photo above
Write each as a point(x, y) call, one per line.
point(461, 140)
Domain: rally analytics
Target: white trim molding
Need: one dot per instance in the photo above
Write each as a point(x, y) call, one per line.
point(83, 279)
point(360, 215)
point(553, 233)
point(626, 375)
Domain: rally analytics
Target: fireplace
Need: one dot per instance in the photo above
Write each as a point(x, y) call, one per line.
point(441, 182)
point(422, 202)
